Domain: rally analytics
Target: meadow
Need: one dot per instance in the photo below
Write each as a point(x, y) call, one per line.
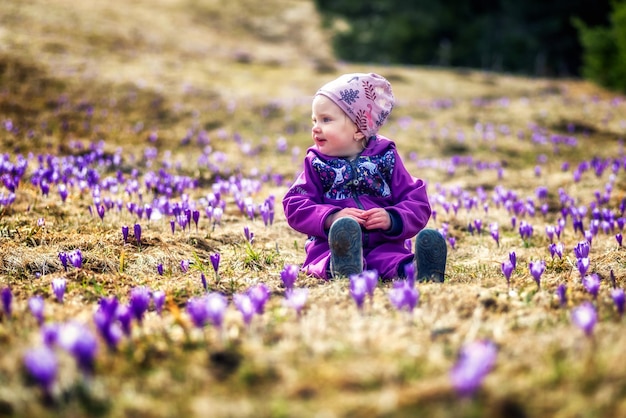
point(145, 148)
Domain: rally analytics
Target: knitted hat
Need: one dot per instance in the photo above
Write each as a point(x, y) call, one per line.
point(366, 99)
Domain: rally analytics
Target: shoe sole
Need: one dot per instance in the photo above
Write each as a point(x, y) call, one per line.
point(346, 249)
point(430, 256)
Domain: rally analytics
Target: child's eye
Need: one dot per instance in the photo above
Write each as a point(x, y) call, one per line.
point(326, 120)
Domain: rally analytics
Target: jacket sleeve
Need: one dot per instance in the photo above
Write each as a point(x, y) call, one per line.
point(411, 204)
point(303, 205)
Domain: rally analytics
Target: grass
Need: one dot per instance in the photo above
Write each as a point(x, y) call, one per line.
point(155, 86)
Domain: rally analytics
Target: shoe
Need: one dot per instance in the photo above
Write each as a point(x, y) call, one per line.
point(430, 256)
point(346, 248)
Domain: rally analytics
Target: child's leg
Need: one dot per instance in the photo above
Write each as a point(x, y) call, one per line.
point(346, 247)
point(430, 255)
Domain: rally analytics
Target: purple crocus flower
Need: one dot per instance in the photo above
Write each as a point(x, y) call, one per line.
point(58, 287)
point(581, 250)
point(215, 261)
point(216, 305)
point(124, 315)
point(513, 259)
point(158, 298)
point(478, 224)
point(550, 231)
point(63, 258)
point(249, 235)
point(184, 265)
point(525, 230)
point(101, 210)
point(63, 192)
point(561, 293)
point(556, 249)
point(110, 330)
point(295, 298)
point(358, 289)
point(259, 295)
point(495, 232)
point(404, 296)
point(583, 265)
point(137, 230)
point(409, 273)
point(106, 322)
point(195, 215)
point(536, 270)
point(42, 365)
point(125, 233)
point(618, 238)
point(173, 225)
point(585, 317)
point(592, 284)
point(36, 306)
point(619, 299)
point(197, 310)
point(205, 286)
point(371, 280)
point(139, 302)
point(507, 270)
point(244, 304)
point(80, 342)
point(7, 301)
point(474, 363)
point(160, 269)
point(289, 274)
point(50, 334)
point(76, 258)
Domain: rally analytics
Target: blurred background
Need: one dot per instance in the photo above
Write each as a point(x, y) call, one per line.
point(559, 38)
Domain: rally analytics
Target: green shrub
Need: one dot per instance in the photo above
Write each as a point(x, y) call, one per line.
point(604, 56)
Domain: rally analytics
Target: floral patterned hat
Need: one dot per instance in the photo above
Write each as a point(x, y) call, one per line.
point(367, 99)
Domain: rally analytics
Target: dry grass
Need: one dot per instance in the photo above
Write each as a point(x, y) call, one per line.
point(245, 73)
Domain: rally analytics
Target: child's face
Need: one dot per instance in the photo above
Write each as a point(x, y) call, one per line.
point(333, 132)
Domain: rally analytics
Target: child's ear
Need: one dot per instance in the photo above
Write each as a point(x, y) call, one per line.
point(358, 135)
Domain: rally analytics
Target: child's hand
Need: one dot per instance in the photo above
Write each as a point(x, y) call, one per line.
point(376, 218)
point(354, 213)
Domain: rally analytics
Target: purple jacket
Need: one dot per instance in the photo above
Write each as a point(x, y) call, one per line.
point(377, 178)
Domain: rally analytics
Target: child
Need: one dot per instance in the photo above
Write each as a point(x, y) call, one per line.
point(355, 200)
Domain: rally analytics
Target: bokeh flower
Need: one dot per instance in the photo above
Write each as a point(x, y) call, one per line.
point(158, 298)
point(358, 289)
point(296, 298)
point(259, 295)
point(289, 274)
point(536, 270)
point(244, 305)
point(404, 296)
point(42, 365)
point(561, 293)
point(36, 306)
point(7, 301)
point(474, 363)
point(216, 304)
point(507, 270)
point(58, 288)
point(619, 299)
point(80, 342)
point(591, 283)
point(585, 317)
point(139, 302)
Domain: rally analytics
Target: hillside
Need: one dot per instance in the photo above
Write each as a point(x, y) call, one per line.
point(113, 109)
